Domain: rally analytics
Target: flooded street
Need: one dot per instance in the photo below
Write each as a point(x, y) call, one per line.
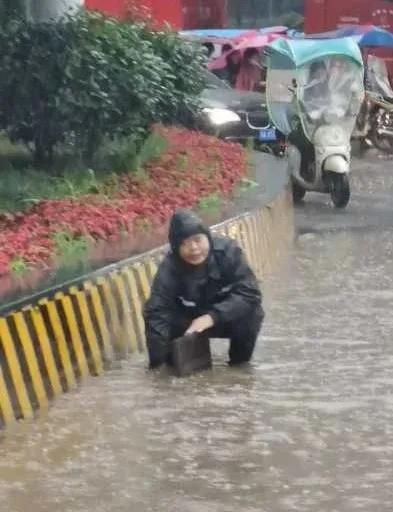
point(308, 427)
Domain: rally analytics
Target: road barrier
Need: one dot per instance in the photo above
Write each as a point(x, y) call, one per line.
point(54, 341)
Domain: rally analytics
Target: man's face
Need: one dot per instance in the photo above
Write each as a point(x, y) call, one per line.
point(194, 250)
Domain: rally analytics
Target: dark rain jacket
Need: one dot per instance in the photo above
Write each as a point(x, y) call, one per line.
point(227, 290)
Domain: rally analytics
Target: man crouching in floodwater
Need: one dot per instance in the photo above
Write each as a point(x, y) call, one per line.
point(203, 285)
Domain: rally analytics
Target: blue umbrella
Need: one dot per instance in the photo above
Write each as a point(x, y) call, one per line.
point(375, 38)
point(349, 31)
point(366, 36)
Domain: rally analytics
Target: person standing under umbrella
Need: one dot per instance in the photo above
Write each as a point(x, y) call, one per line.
point(249, 77)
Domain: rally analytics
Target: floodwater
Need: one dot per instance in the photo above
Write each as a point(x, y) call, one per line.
point(308, 427)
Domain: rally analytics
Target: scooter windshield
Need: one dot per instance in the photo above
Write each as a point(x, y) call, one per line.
point(281, 98)
point(377, 78)
point(330, 92)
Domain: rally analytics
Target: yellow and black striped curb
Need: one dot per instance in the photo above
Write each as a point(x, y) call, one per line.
point(49, 346)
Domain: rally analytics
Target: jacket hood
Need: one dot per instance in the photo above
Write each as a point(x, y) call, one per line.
point(184, 224)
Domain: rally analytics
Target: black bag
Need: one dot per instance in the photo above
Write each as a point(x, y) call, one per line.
point(191, 354)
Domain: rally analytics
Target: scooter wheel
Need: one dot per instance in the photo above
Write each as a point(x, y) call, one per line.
point(298, 193)
point(340, 190)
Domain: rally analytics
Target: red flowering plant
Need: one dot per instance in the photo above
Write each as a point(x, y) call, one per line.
point(194, 166)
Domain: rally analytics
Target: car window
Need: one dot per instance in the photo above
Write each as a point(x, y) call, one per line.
point(213, 82)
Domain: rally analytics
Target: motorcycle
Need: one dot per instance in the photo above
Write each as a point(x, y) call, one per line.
point(374, 125)
point(382, 126)
point(314, 91)
point(375, 121)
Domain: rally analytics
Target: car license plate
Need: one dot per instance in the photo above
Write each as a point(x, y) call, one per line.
point(268, 134)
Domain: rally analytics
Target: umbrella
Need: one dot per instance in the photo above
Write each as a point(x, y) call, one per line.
point(375, 38)
point(250, 41)
point(348, 31)
point(365, 36)
point(280, 29)
point(258, 41)
point(232, 33)
point(201, 36)
point(222, 33)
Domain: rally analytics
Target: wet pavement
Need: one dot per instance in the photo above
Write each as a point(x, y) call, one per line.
point(308, 427)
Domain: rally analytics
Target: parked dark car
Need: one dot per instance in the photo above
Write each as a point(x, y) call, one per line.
point(237, 115)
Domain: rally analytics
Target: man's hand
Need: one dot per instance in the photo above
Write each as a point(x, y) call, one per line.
point(201, 324)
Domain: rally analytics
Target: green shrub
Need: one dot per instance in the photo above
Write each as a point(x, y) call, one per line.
point(185, 79)
point(79, 80)
point(10, 9)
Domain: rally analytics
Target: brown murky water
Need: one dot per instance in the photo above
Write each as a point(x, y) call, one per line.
point(308, 427)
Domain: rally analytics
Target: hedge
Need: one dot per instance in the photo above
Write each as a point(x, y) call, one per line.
point(84, 78)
